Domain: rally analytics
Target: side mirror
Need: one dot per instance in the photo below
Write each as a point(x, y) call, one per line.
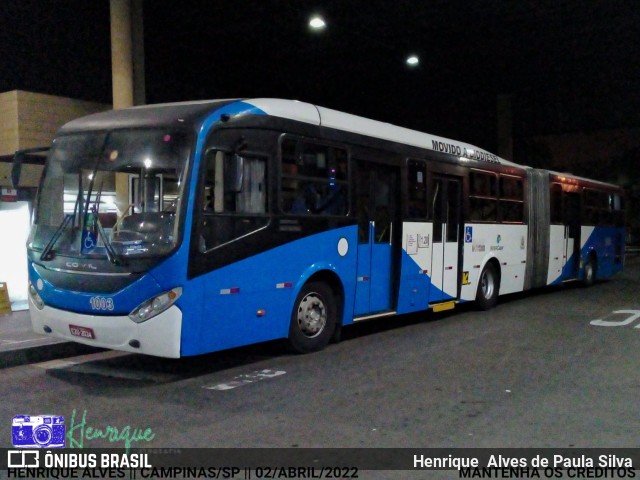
point(18, 159)
point(233, 173)
point(16, 168)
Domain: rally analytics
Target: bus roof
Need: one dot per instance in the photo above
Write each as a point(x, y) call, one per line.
point(321, 116)
point(195, 112)
point(156, 115)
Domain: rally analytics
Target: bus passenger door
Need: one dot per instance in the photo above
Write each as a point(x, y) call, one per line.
point(377, 208)
point(572, 221)
point(446, 207)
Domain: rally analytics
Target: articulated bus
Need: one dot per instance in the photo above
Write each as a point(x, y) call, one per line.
point(179, 229)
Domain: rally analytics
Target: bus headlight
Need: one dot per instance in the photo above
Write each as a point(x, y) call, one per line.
point(35, 297)
point(152, 307)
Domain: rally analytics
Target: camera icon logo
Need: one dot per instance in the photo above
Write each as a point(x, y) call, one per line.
point(38, 431)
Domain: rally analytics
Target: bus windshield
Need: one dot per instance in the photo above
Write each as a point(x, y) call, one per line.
point(112, 194)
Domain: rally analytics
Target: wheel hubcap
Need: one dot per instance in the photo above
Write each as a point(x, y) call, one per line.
point(486, 283)
point(589, 272)
point(312, 315)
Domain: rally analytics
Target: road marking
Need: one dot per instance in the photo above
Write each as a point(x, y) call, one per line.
point(631, 316)
point(246, 379)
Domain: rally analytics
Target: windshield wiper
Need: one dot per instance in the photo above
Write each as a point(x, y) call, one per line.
point(92, 179)
point(47, 253)
point(111, 253)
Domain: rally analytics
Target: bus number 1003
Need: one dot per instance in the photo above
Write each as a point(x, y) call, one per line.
point(101, 303)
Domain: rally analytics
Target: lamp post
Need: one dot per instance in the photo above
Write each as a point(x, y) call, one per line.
point(127, 53)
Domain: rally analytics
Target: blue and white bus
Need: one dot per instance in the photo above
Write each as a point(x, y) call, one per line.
point(180, 229)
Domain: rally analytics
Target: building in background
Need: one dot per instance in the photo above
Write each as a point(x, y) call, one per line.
point(27, 120)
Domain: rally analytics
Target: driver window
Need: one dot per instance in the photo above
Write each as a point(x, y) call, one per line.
point(234, 184)
point(234, 199)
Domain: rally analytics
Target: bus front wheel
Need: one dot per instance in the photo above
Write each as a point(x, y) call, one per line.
point(313, 318)
point(488, 288)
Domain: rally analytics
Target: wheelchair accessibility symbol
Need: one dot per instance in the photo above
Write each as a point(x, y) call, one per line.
point(468, 234)
point(88, 241)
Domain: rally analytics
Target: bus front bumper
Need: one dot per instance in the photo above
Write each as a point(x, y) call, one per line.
point(158, 336)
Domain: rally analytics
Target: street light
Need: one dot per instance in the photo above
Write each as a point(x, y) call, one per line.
point(413, 60)
point(317, 22)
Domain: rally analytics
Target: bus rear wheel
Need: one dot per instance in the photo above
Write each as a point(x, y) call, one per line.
point(488, 288)
point(313, 318)
point(589, 272)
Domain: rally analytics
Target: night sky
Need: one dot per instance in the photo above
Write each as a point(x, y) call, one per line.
point(570, 65)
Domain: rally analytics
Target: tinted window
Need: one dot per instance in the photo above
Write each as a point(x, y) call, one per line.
point(511, 199)
point(417, 183)
point(235, 198)
point(314, 179)
point(483, 193)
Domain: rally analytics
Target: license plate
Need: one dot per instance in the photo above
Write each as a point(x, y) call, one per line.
point(83, 332)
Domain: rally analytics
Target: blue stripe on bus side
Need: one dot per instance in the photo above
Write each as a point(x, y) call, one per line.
point(605, 254)
point(259, 309)
point(246, 302)
point(416, 287)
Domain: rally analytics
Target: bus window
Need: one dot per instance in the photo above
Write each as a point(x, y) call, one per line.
point(601, 208)
point(363, 188)
point(314, 179)
point(417, 182)
point(235, 198)
point(436, 209)
point(556, 203)
point(593, 207)
point(483, 195)
point(511, 199)
point(606, 211)
point(617, 205)
point(383, 207)
point(453, 211)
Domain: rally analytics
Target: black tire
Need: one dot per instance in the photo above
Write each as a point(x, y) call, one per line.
point(488, 288)
point(589, 277)
point(313, 318)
